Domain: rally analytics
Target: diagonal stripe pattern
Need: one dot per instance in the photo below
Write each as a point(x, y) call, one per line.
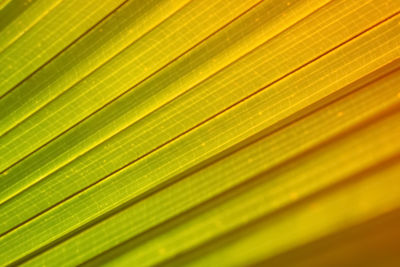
point(204, 133)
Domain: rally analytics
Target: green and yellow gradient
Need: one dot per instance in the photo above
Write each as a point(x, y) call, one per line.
point(199, 132)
